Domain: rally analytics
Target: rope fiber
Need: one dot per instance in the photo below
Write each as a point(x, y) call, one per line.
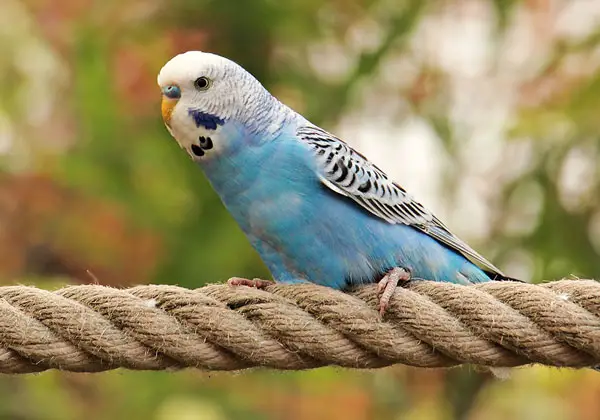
point(93, 328)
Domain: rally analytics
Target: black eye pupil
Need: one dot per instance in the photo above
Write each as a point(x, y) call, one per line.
point(201, 83)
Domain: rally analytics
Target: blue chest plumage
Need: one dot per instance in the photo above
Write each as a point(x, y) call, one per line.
point(306, 232)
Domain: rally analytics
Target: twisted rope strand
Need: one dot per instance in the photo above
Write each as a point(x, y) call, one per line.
point(95, 328)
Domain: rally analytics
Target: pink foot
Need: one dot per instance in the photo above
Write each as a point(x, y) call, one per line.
point(258, 283)
point(387, 285)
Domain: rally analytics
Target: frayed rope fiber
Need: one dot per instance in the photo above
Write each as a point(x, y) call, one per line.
point(500, 324)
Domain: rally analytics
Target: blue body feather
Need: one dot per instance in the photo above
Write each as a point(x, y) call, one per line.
point(304, 231)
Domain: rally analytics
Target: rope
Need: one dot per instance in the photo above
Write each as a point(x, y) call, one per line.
point(501, 324)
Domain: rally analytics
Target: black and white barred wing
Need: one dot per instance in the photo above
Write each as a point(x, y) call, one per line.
point(349, 173)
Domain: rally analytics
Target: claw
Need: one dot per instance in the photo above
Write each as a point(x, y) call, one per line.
point(387, 285)
point(257, 283)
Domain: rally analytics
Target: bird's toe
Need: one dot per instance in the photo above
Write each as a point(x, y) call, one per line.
point(387, 285)
point(257, 283)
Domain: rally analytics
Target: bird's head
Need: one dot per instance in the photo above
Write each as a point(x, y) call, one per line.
point(208, 99)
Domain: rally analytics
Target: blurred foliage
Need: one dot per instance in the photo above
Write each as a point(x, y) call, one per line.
point(505, 92)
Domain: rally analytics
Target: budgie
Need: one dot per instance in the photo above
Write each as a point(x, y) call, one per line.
point(315, 209)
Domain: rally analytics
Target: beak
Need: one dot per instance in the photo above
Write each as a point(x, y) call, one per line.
point(166, 108)
point(170, 97)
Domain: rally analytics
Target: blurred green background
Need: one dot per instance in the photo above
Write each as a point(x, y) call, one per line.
point(487, 111)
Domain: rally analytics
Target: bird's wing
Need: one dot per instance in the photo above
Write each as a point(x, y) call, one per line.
point(349, 173)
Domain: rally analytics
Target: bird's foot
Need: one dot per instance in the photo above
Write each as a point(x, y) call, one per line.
point(387, 285)
point(257, 283)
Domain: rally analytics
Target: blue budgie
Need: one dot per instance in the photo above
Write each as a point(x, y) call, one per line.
point(315, 209)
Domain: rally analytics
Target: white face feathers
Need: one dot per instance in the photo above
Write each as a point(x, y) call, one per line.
point(204, 92)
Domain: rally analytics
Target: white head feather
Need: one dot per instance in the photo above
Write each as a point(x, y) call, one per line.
point(234, 95)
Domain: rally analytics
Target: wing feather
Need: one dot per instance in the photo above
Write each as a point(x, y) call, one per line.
point(349, 173)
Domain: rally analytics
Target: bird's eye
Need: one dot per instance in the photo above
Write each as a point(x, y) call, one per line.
point(202, 83)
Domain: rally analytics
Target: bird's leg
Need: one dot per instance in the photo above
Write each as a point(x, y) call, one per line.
point(258, 283)
point(387, 285)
